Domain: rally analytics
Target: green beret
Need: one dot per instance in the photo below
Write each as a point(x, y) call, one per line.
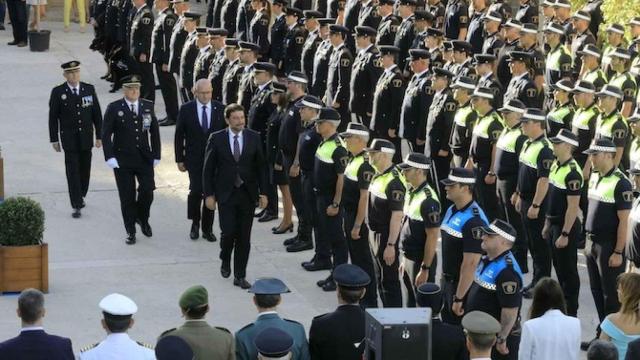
point(194, 297)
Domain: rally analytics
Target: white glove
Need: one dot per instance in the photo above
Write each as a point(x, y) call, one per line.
point(113, 163)
point(156, 162)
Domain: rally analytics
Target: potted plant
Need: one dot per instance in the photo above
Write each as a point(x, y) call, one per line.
point(24, 258)
point(39, 39)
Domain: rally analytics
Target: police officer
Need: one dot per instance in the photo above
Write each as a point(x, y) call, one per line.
point(267, 296)
point(460, 251)
point(615, 37)
point(206, 341)
point(433, 44)
point(529, 44)
point(511, 31)
point(492, 41)
point(521, 86)
point(340, 334)
point(496, 286)
point(447, 56)
point(484, 65)
point(439, 124)
point(611, 124)
point(388, 27)
point(233, 73)
point(117, 311)
point(386, 202)
point(536, 159)
point(195, 40)
point(228, 16)
point(219, 62)
point(355, 196)
point(261, 105)
point(339, 74)
point(420, 227)
point(387, 99)
point(246, 86)
point(561, 114)
point(483, 149)
point(293, 41)
point(160, 55)
point(527, 12)
point(321, 60)
point(437, 9)
point(475, 33)
point(244, 16)
point(259, 28)
point(562, 16)
point(610, 199)
point(583, 123)
point(623, 80)
point(456, 20)
point(508, 149)
point(140, 47)
point(204, 59)
point(368, 15)
point(462, 56)
point(367, 68)
point(581, 38)
point(406, 31)
point(558, 62)
point(278, 97)
point(416, 101)
point(562, 226)
point(463, 121)
point(178, 38)
point(591, 70)
point(74, 111)
point(278, 32)
point(312, 41)
point(131, 142)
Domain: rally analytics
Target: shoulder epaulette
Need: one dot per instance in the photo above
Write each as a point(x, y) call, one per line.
point(246, 327)
point(292, 321)
point(88, 347)
point(223, 329)
point(475, 210)
point(144, 345)
point(167, 331)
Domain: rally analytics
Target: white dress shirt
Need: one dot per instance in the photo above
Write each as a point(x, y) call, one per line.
point(118, 346)
point(231, 136)
point(199, 106)
point(136, 105)
point(77, 88)
point(551, 334)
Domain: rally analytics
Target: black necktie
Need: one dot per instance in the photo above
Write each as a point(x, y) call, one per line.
point(133, 109)
point(205, 120)
point(236, 155)
point(75, 91)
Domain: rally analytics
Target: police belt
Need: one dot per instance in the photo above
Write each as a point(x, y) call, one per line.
point(600, 239)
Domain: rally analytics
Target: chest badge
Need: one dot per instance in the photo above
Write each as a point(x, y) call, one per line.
point(120, 113)
point(63, 96)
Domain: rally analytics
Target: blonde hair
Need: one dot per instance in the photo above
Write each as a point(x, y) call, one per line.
point(629, 285)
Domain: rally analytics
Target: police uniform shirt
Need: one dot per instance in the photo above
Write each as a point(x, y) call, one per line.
point(273, 129)
point(463, 123)
point(387, 101)
point(404, 38)
point(564, 180)
point(457, 236)
point(534, 167)
point(608, 193)
point(72, 117)
point(339, 76)
point(387, 30)
point(492, 44)
point(383, 200)
point(614, 127)
point(503, 292)
point(439, 122)
point(331, 160)
point(141, 32)
point(202, 64)
point(560, 117)
point(558, 66)
point(626, 83)
point(523, 89)
point(419, 216)
point(415, 106)
point(485, 135)
point(309, 51)
point(307, 146)
point(161, 36)
point(321, 68)
point(261, 109)
point(289, 129)
point(259, 33)
point(117, 346)
point(508, 149)
point(438, 11)
point(357, 176)
point(456, 18)
point(366, 70)
point(583, 125)
point(292, 48)
point(502, 68)
point(475, 32)
point(596, 76)
point(489, 80)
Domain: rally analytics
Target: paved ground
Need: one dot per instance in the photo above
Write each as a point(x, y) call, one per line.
point(88, 257)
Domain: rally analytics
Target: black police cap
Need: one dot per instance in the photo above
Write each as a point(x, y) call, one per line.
point(513, 105)
point(533, 114)
point(461, 45)
point(423, 15)
point(419, 54)
point(483, 92)
point(355, 129)
point(438, 71)
point(298, 76)
point(365, 31)
point(602, 144)
point(202, 30)
point(131, 80)
point(484, 58)
point(245, 45)
point(217, 32)
point(584, 86)
point(408, 2)
point(464, 82)
point(350, 276)
point(497, 227)
point(264, 67)
point(278, 87)
point(388, 50)
point(310, 101)
point(293, 12)
point(337, 28)
point(564, 85)
point(387, 2)
point(611, 90)
point(281, 2)
point(326, 21)
point(312, 14)
point(71, 65)
point(231, 43)
point(590, 49)
point(492, 16)
point(381, 145)
point(447, 45)
point(329, 114)
point(520, 56)
point(434, 32)
point(190, 15)
point(273, 342)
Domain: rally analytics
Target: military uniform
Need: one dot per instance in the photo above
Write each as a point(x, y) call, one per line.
point(492, 44)
point(456, 18)
point(387, 30)
point(527, 13)
point(490, 81)
point(188, 58)
point(321, 68)
point(502, 68)
point(259, 33)
point(161, 55)
point(206, 341)
point(338, 82)
point(367, 16)
point(438, 11)
point(73, 114)
point(243, 20)
point(260, 110)
point(387, 106)
point(414, 110)
point(404, 38)
point(309, 50)
point(178, 38)
point(231, 81)
point(202, 64)
point(217, 69)
point(246, 86)
point(278, 32)
point(292, 48)
point(476, 32)
point(366, 71)
point(228, 16)
point(140, 44)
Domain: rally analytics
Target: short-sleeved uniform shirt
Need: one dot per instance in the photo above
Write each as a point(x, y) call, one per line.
point(533, 166)
point(485, 135)
point(326, 170)
point(455, 244)
point(413, 236)
point(508, 149)
point(307, 146)
point(289, 129)
point(564, 180)
point(383, 199)
point(608, 194)
point(456, 17)
point(355, 180)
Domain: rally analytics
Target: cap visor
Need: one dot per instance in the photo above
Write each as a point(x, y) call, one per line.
point(447, 181)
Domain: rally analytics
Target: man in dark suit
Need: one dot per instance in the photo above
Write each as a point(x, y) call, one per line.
point(131, 142)
point(34, 343)
point(339, 335)
point(74, 111)
point(197, 119)
point(140, 47)
point(447, 341)
point(235, 176)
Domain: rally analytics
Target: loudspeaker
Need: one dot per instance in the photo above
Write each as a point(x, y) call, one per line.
point(398, 334)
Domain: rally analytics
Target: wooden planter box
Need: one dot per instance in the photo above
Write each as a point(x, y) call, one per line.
point(23, 267)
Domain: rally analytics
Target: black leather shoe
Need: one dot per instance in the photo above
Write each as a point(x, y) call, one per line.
point(321, 283)
point(278, 231)
point(267, 217)
point(209, 237)
point(22, 44)
point(260, 213)
point(584, 345)
point(290, 241)
point(318, 265)
point(306, 263)
point(83, 204)
point(76, 213)
point(194, 234)
point(225, 270)
point(12, 43)
point(300, 246)
point(145, 228)
point(242, 283)
point(131, 239)
point(329, 286)
point(167, 122)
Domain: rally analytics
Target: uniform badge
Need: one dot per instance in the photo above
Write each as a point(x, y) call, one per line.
point(509, 287)
point(619, 134)
point(434, 217)
point(628, 92)
point(397, 195)
point(450, 106)
point(344, 160)
point(146, 21)
point(345, 62)
point(565, 67)
point(463, 19)
point(63, 96)
point(532, 92)
point(627, 196)
point(377, 62)
point(120, 113)
point(546, 164)
point(264, 22)
point(496, 133)
point(299, 40)
point(170, 22)
point(367, 175)
point(573, 185)
point(146, 121)
point(397, 83)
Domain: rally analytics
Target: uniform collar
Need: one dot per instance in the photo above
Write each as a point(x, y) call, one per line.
point(564, 163)
point(366, 49)
point(539, 138)
point(267, 314)
point(390, 69)
point(420, 187)
point(455, 209)
point(336, 48)
point(117, 337)
point(487, 75)
point(487, 261)
point(32, 328)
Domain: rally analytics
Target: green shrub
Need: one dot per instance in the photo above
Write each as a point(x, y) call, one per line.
point(21, 222)
point(614, 11)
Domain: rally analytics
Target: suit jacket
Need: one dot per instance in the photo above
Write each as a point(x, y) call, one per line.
point(447, 341)
point(74, 117)
point(125, 137)
point(36, 345)
point(206, 341)
point(338, 335)
point(190, 140)
point(220, 168)
point(246, 349)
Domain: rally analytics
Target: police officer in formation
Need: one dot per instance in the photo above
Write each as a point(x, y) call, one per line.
point(464, 120)
point(160, 55)
point(367, 68)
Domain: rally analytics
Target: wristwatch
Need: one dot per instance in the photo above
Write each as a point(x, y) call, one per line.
point(535, 206)
point(391, 244)
point(500, 339)
point(617, 252)
point(424, 267)
point(335, 205)
point(565, 234)
point(457, 299)
point(491, 173)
